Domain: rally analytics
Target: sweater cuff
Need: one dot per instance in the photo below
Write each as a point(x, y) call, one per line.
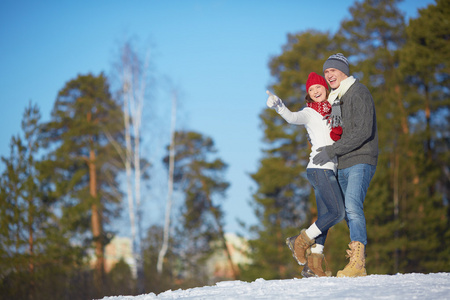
point(330, 151)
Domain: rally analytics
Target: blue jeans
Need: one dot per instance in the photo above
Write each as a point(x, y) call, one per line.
point(329, 199)
point(354, 182)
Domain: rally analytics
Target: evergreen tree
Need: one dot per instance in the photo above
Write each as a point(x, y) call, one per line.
point(82, 162)
point(374, 38)
point(36, 258)
point(425, 61)
point(19, 190)
point(402, 192)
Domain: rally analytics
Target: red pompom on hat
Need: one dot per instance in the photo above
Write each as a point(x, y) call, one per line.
point(314, 78)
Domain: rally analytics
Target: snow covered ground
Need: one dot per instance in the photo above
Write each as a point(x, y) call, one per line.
point(400, 286)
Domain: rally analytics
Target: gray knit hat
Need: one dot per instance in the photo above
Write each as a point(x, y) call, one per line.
point(337, 61)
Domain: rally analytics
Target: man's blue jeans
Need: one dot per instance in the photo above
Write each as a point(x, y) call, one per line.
point(354, 182)
point(329, 199)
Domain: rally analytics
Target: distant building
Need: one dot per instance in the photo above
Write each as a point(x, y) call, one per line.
point(218, 265)
point(118, 248)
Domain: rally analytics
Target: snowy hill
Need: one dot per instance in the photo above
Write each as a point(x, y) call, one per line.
point(400, 286)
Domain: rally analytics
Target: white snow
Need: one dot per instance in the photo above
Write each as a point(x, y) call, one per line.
point(399, 286)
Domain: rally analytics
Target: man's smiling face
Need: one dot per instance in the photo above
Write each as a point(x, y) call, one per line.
point(334, 77)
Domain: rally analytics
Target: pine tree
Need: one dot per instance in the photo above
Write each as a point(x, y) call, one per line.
point(425, 61)
point(83, 162)
point(373, 38)
point(36, 258)
point(22, 212)
point(399, 195)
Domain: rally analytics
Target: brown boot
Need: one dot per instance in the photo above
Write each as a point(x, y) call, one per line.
point(298, 245)
point(313, 267)
point(357, 264)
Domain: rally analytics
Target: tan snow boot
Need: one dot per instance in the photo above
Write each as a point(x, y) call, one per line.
point(298, 245)
point(357, 264)
point(313, 267)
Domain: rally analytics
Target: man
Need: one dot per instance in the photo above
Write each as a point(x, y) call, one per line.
point(356, 151)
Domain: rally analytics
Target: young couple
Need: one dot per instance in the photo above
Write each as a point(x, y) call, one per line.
point(342, 128)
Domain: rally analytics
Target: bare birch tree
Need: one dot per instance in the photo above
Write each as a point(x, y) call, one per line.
point(133, 79)
point(165, 245)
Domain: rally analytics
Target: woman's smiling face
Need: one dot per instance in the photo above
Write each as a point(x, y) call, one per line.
point(317, 92)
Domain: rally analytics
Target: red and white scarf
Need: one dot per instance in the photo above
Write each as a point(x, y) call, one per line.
point(323, 108)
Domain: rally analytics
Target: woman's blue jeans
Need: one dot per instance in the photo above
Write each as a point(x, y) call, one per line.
point(329, 199)
point(354, 182)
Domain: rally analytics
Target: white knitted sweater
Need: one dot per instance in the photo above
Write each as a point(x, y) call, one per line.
point(318, 130)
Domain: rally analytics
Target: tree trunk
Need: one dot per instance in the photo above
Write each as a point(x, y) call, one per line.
point(134, 81)
point(136, 121)
point(31, 251)
point(165, 245)
point(127, 162)
point(96, 222)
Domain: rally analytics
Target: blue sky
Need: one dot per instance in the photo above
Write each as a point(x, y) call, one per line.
point(215, 53)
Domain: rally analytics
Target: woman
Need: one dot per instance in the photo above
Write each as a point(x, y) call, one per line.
point(307, 246)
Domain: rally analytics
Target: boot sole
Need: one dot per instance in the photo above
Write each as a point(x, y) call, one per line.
point(341, 275)
point(290, 244)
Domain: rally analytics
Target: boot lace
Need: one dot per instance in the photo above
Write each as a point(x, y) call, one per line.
point(350, 256)
point(353, 254)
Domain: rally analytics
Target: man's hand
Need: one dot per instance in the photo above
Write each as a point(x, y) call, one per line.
point(321, 157)
point(274, 102)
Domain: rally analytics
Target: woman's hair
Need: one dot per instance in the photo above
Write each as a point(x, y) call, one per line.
point(308, 98)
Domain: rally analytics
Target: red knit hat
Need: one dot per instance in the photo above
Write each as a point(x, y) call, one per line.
point(314, 78)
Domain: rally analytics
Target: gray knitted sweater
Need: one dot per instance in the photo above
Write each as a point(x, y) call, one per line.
point(359, 140)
